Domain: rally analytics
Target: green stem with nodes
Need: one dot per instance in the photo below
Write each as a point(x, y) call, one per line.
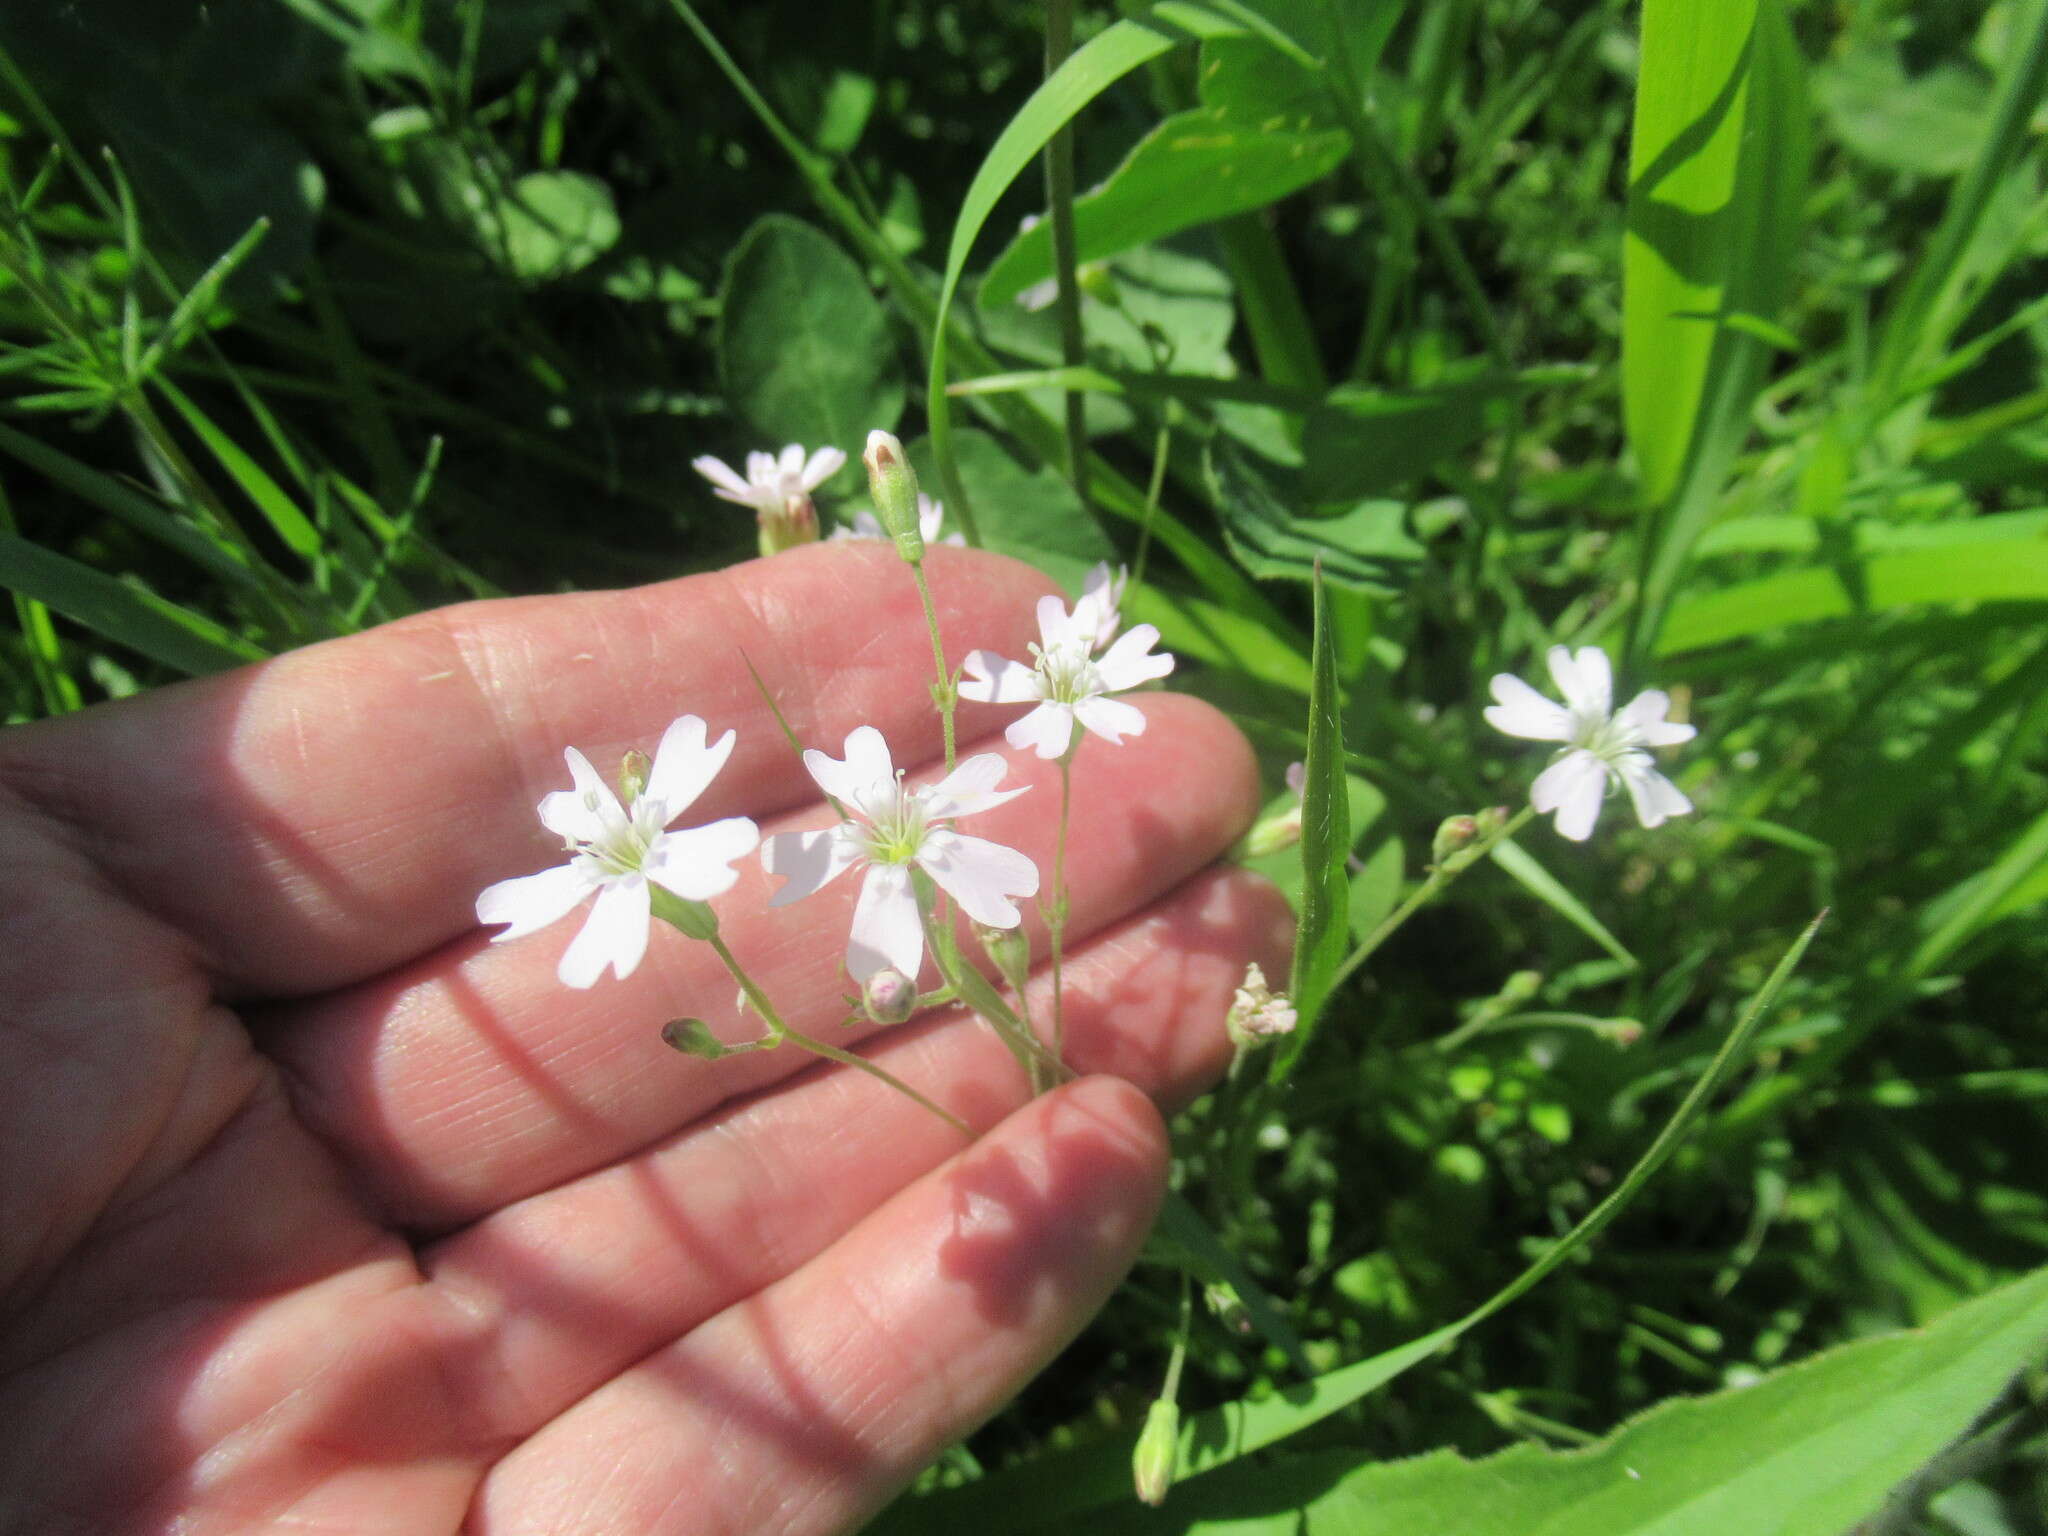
point(944, 694)
point(1056, 911)
point(1440, 876)
point(779, 1031)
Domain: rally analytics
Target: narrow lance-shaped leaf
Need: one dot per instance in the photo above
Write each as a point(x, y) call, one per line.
point(1325, 932)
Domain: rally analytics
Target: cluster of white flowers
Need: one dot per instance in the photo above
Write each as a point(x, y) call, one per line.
point(778, 487)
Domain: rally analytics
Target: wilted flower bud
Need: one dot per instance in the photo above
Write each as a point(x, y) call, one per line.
point(889, 997)
point(893, 485)
point(1009, 949)
point(1158, 1445)
point(1257, 1013)
point(693, 1037)
point(1452, 834)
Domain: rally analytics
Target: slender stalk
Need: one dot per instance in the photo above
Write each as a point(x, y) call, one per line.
point(1439, 877)
point(943, 692)
point(1056, 913)
point(779, 1031)
point(1059, 201)
point(1160, 444)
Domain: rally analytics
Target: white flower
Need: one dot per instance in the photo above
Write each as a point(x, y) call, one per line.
point(930, 517)
point(617, 849)
point(771, 480)
point(1257, 1012)
point(889, 827)
point(1603, 746)
point(1069, 683)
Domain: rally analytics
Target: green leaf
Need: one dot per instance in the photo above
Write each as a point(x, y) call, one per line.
point(1324, 934)
point(1929, 124)
point(1366, 549)
point(1194, 168)
point(554, 223)
point(1362, 442)
point(1049, 1489)
point(1219, 636)
point(1966, 571)
point(1089, 71)
point(128, 615)
point(804, 347)
point(1031, 514)
point(278, 509)
point(1716, 181)
point(1982, 899)
point(1522, 868)
point(1811, 1450)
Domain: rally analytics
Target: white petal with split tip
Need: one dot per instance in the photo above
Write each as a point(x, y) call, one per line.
point(696, 862)
point(993, 679)
point(1645, 714)
point(982, 876)
point(1655, 797)
point(867, 764)
point(1573, 787)
point(614, 936)
point(1048, 730)
point(1129, 662)
point(1585, 679)
point(887, 931)
point(684, 764)
point(584, 813)
point(808, 861)
point(1111, 719)
point(531, 902)
point(1522, 711)
point(971, 788)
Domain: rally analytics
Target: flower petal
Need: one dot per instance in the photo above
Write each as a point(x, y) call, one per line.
point(531, 902)
point(970, 788)
point(865, 525)
point(581, 814)
point(866, 767)
point(982, 876)
point(931, 515)
point(993, 679)
point(1520, 710)
point(791, 463)
point(723, 477)
point(1111, 719)
point(614, 935)
point(1655, 797)
point(683, 765)
point(762, 471)
point(1048, 730)
point(887, 931)
point(1645, 712)
point(1127, 663)
point(1585, 679)
point(695, 862)
point(1058, 627)
point(807, 861)
point(822, 465)
point(1573, 786)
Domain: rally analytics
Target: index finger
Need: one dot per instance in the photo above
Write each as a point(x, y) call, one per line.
point(318, 818)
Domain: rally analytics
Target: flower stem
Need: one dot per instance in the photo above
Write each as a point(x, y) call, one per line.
point(1056, 913)
point(1439, 877)
point(943, 693)
point(778, 1031)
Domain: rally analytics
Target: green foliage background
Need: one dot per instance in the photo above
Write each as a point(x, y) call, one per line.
point(1709, 334)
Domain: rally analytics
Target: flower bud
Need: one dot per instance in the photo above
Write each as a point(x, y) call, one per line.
point(1624, 1032)
point(1009, 949)
point(888, 997)
point(1521, 987)
point(1452, 834)
point(693, 1037)
point(633, 771)
point(1257, 1013)
point(1278, 831)
point(796, 523)
point(1158, 1446)
point(1227, 1308)
point(1491, 820)
point(893, 485)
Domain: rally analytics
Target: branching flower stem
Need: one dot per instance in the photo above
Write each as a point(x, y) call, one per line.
point(1056, 910)
point(1440, 876)
point(944, 694)
point(779, 1031)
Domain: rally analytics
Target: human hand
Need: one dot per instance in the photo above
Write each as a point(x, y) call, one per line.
point(321, 1212)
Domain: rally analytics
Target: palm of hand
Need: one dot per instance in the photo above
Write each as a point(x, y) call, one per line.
point(320, 1210)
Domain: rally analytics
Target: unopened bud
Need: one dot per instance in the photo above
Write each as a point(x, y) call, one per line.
point(1227, 1307)
point(1452, 834)
point(1520, 987)
point(1624, 1032)
point(893, 485)
point(1278, 831)
point(693, 1037)
point(1158, 1447)
point(1257, 1013)
point(1009, 949)
point(633, 771)
point(888, 997)
point(796, 523)
point(1491, 820)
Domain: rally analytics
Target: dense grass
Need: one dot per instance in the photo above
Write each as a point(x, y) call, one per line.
point(513, 276)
